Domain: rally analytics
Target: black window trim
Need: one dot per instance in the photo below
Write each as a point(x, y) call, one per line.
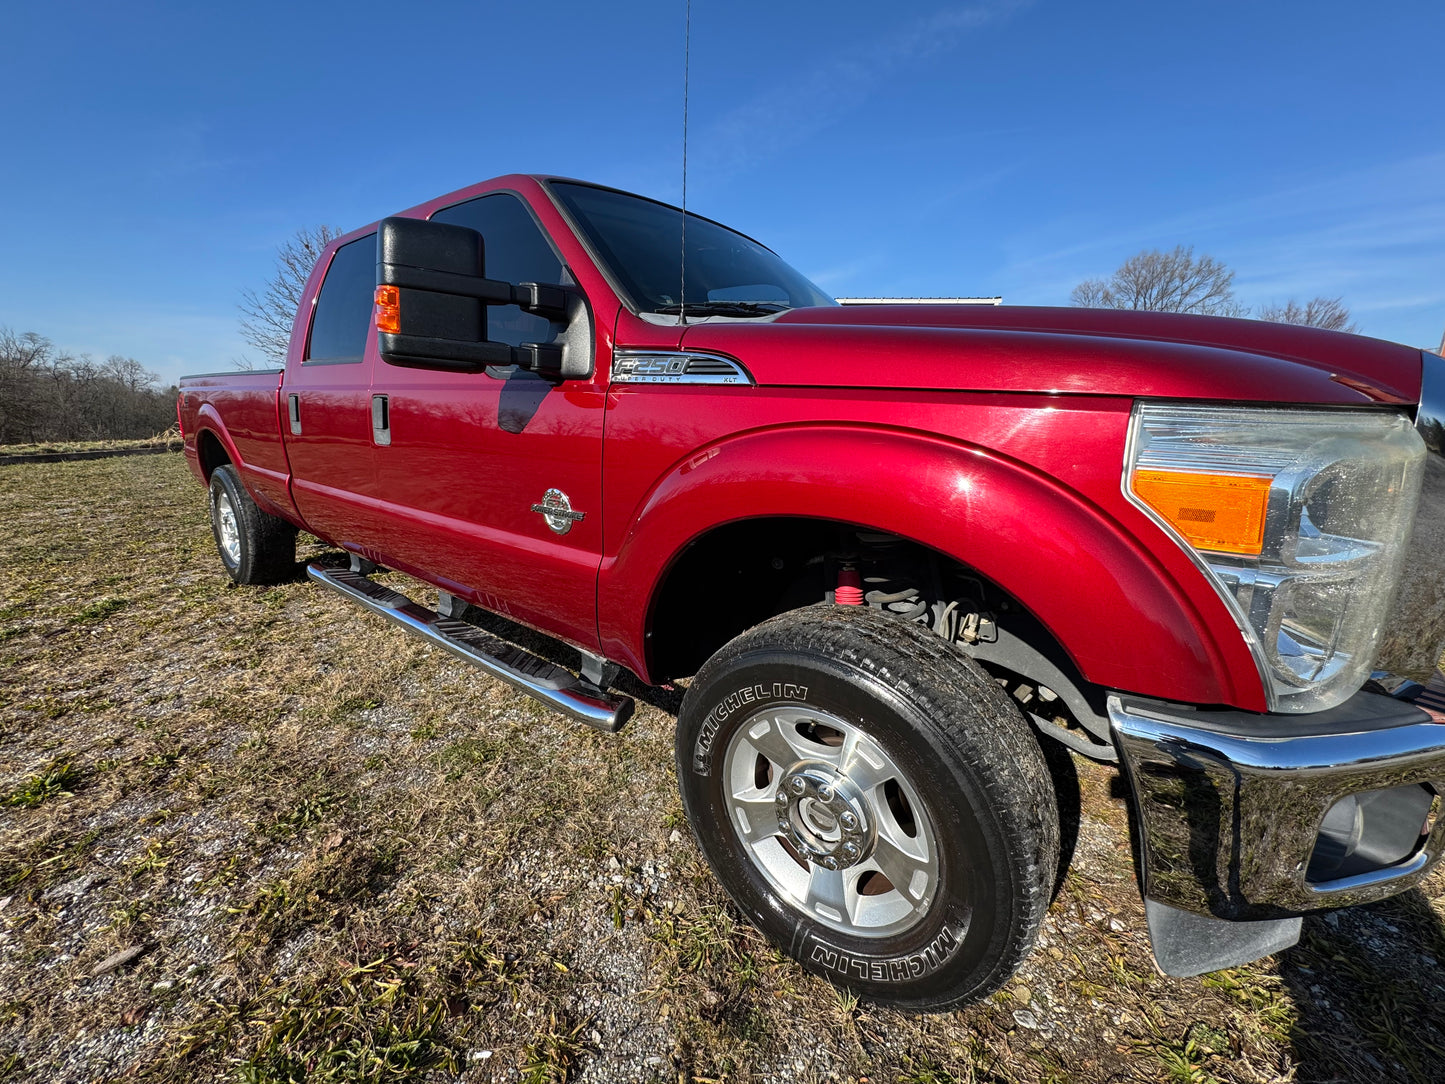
point(306, 359)
point(536, 221)
point(597, 261)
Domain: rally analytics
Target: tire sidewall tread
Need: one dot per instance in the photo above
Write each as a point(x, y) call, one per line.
point(268, 543)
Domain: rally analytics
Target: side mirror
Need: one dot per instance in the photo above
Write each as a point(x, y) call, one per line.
point(431, 299)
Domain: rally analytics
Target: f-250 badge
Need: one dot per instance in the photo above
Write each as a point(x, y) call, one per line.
point(557, 510)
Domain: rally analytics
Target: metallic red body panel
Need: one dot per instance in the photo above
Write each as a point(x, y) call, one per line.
point(1014, 488)
point(240, 410)
point(457, 493)
point(995, 435)
point(842, 355)
point(1383, 371)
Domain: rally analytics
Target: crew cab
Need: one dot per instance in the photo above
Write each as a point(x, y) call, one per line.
point(902, 555)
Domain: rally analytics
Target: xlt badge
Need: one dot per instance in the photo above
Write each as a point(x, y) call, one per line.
point(557, 510)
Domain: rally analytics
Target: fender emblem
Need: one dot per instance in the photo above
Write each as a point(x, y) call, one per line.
point(557, 510)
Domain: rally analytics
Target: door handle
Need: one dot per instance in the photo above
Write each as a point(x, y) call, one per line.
point(380, 419)
point(293, 408)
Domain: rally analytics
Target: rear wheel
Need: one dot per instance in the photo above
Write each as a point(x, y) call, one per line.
point(255, 547)
point(873, 801)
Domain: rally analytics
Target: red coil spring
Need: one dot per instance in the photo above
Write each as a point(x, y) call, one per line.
point(850, 588)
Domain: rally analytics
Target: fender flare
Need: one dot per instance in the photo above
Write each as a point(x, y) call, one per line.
point(1126, 620)
point(208, 420)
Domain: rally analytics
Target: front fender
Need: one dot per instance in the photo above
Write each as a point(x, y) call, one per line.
point(1127, 620)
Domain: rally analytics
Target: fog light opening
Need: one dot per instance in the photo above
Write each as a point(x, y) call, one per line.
point(1372, 830)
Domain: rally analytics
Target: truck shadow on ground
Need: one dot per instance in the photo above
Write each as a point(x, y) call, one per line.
point(1369, 993)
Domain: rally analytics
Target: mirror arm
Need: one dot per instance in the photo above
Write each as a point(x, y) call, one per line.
point(536, 298)
point(425, 352)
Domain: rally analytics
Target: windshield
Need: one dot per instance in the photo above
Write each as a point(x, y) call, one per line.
point(640, 240)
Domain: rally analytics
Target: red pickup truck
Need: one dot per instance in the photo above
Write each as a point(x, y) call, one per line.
point(902, 552)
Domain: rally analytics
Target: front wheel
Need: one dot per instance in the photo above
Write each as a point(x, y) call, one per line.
point(873, 801)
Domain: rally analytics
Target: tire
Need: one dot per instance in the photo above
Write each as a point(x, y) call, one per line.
point(833, 712)
point(255, 546)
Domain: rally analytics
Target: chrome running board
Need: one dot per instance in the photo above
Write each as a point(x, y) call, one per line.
point(553, 685)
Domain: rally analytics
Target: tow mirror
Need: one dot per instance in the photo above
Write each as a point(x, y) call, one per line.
point(431, 299)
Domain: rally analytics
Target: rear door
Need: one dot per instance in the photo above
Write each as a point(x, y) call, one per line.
point(467, 456)
point(326, 407)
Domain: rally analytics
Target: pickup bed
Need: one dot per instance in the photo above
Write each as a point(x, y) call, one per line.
point(903, 554)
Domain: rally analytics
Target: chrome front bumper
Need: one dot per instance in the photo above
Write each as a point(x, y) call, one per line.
point(1230, 805)
point(1244, 822)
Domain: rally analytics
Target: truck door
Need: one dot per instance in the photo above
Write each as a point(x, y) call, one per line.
point(325, 404)
point(465, 459)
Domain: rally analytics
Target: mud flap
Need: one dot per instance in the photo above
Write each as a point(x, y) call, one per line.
point(1186, 944)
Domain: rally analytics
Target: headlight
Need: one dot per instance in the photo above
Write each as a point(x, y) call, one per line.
point(1298, 517)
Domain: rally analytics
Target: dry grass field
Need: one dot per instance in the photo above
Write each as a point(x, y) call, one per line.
point(254, 835)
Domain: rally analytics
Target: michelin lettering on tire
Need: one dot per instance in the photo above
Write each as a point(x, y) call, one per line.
point(914, 965)
point(781, 691)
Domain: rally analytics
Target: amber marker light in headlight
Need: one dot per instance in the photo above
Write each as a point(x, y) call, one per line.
point(1299, 519)
point(1219, 512)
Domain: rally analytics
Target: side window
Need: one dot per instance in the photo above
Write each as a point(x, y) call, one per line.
point(514, 250)
point(343, 308)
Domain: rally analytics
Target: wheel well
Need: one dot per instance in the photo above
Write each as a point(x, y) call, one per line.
point(211, 451)
point(743, 573)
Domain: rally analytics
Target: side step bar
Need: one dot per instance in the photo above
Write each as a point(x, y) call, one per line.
point(553, 685)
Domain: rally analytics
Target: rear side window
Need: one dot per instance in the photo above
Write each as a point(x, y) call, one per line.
point(514, 249)
point(343, 309)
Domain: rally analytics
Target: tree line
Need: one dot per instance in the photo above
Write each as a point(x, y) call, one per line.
point(47, 394)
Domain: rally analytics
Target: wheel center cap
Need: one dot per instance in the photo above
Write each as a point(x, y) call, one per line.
point(823, 815)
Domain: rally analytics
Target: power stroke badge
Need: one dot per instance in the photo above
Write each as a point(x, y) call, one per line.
point(556, 509)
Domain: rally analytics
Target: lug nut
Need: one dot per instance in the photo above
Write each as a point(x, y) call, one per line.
point(783, 825)
point(825, 794)
point(799, 784)
point(830, 862)
point(848, 821)
point(850, 851)
point(781, 799)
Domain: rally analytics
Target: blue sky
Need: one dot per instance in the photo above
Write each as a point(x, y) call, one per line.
point(158, 153)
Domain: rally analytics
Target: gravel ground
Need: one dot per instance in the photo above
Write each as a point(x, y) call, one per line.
point(251, 834)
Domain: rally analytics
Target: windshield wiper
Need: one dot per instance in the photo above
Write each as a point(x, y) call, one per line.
point(724, 308)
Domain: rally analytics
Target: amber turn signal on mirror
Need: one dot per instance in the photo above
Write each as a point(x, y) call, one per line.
point(388, 310)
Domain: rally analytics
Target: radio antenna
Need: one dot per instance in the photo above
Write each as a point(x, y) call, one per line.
point(682, 272)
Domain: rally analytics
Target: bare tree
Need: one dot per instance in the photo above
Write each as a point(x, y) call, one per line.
point(1326, 312)
point(1174, 281)
point(266, 318)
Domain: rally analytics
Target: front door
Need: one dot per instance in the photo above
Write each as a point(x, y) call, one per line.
point(465, 457)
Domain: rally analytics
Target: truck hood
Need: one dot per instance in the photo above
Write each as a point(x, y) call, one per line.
point(1064, 351)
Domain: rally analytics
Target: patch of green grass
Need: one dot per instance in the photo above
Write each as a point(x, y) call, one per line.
point(154, 859)
point(1266, 1010)
point(309, 810)
point(100, 609)
point(381, 1022)
point(350, 705)
point(552, 1055)
point(58, 779)
point(925, 1070)
point(322, 889)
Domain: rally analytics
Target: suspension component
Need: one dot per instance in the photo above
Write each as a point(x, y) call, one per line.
point(850, 587)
